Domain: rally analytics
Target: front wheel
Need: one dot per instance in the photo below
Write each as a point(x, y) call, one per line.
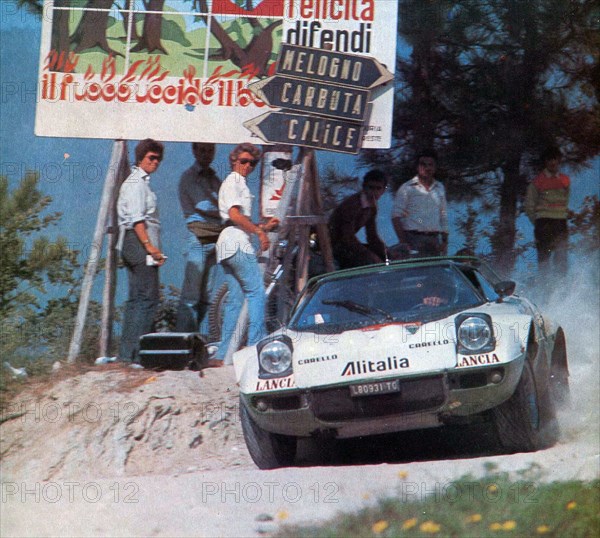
point(268, 450)
point(525, 422)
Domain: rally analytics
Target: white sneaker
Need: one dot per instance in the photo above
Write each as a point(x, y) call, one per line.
point(105, 360)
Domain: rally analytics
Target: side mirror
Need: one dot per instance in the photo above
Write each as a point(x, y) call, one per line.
point(505, 288)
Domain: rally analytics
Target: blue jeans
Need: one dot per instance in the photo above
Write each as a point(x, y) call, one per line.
point(194, 301)
point(142, 302)
point(244, 280)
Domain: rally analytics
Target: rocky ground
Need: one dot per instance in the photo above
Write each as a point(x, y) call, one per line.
point(115, 421)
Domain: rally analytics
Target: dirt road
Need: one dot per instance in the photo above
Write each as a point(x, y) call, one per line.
point(165, 457)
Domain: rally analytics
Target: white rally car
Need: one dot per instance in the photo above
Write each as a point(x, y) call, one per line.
point(403, 346)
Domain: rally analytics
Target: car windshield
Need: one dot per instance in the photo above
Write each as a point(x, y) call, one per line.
point(394, 294)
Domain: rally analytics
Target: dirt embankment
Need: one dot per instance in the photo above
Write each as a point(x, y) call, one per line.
point(114, 421)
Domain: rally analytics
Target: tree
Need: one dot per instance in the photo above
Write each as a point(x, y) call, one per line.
point(489, 85)
point(35, 270)
point(253, 57)
point(61, 42)
point(34, 6)
point(150, 40)
point(91, 30)
point(29, 262)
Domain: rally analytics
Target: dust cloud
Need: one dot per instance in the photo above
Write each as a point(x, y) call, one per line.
point(574, 304)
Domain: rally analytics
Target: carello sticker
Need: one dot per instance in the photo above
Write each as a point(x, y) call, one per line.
point(477, 360)
point(429, 344)
point(323, 358)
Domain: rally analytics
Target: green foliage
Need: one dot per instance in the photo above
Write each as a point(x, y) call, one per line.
point(30, 263)
point(172, 31)
point(166, 315)
point(585, 225)
point(34, 6)
point(35, 330)
point(483, 507)
point(489, 85)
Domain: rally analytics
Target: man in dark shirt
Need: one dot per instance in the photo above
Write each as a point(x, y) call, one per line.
point(198, 196)
point(355, 212)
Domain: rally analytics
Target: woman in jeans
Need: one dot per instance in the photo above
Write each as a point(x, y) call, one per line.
point(236, 253)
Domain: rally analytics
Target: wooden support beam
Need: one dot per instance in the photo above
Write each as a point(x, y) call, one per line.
point(118, 151)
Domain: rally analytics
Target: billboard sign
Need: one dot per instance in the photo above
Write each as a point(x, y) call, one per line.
point(179, 70)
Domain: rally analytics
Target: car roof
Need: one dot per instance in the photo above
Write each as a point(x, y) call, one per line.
point(472, 261)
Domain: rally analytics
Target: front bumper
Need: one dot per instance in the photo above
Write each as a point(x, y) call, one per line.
point(424, 401)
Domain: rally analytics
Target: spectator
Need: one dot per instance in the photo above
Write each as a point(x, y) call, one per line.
point(546, 205)
point(198, 196)
point(139, 243)
point(236, 253)
point(419, 215)
point(355, 212)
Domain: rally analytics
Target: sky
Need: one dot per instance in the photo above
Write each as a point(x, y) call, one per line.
point(72, 171)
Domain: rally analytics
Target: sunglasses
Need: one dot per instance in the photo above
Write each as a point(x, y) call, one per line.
point(153, 158)
point(252, 162)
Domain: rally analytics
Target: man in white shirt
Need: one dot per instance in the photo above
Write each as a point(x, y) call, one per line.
point(419, 215)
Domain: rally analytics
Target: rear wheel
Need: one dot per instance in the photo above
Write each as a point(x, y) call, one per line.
point(559, 373)
point(526, 421)
point(268, 450)
point(215, 316)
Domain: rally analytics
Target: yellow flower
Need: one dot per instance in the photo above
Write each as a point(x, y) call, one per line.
point(474, 518)
point(430, 527)
point(402, 474)
point(492, 488)
point(509, 525)
point(496, 526)
point(380, 526)
point(282, 514)
point(571, 505)
point(409, 523)
point(543, 529)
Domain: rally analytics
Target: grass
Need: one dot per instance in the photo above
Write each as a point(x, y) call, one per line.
point(489, 507)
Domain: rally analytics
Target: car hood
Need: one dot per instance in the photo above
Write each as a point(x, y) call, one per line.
point(375, 352)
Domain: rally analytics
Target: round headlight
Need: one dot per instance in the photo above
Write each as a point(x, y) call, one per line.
point(275, 357)
point(474, 334)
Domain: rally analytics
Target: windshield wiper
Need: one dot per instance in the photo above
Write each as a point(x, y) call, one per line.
point(360, 308)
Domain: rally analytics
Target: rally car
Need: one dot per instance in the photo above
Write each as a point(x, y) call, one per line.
point(404, 346)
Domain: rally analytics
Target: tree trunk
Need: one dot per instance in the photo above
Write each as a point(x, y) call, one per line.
point(505, 234)
point(150, 40)
point(60, 30)
point(91, 31)
point(126, 16)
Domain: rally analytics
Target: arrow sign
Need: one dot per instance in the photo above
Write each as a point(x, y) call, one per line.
point(333, 67)
point(310, 131)
point(313, 97)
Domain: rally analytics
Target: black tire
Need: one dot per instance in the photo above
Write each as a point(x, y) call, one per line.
point(279, 305)
point(559, 373)
point(215, 316)
point(526, 421)
point(267, 450)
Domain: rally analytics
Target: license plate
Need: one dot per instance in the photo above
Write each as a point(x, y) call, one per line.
point(372, 389)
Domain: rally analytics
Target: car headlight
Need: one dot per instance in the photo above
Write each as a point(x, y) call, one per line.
point(275, 356)
point(475, 334)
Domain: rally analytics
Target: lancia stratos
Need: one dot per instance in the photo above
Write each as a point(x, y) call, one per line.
point(403, 346)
